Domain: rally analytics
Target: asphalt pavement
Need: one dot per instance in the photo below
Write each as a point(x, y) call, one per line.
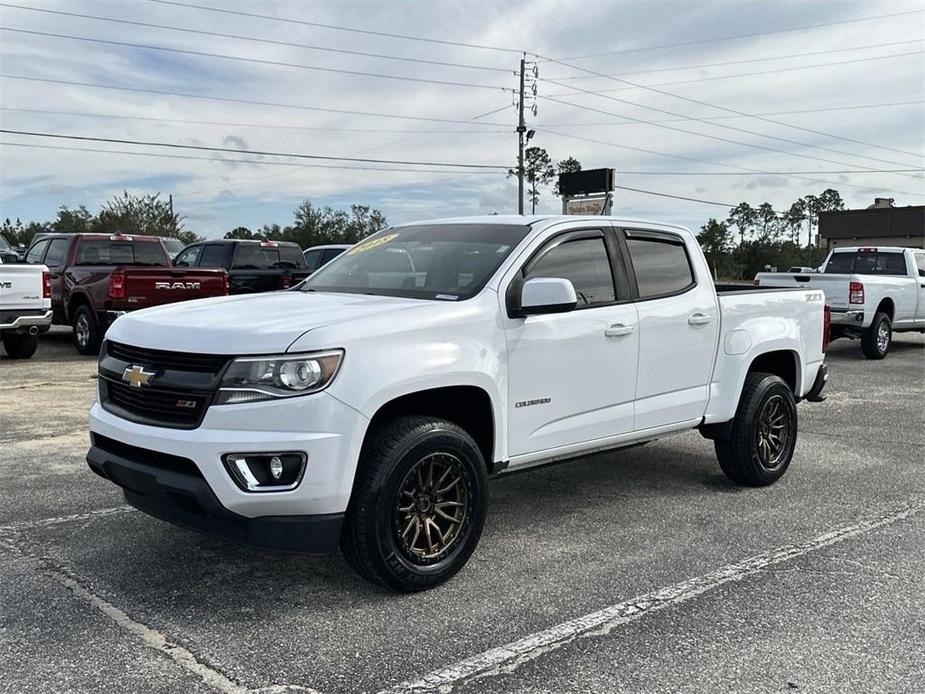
point(641, 570)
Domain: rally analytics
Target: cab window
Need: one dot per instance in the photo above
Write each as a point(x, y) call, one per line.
point(189, 257)
point(585, 263)
point(36, 252)
point(213, 256)
point(662, 267)
point(57, 248)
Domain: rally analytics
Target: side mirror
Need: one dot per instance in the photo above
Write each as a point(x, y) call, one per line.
point(547, 295)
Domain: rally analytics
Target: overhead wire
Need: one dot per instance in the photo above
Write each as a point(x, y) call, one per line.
point(232, 150)
point(241, 37)
point(258, 61)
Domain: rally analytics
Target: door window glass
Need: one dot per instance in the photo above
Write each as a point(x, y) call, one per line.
point(212, 256)
point(189, 257)
point(585, 264)
point(661, 267)
point(313, 260)
point(36, 252)
point(56, 250)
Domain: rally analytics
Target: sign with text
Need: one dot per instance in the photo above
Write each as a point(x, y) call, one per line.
point(588, 206)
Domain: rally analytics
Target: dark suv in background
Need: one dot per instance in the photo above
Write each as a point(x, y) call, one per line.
point(252, 266)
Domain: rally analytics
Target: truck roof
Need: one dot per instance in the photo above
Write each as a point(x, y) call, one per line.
point(258, 241)
point(83, 235)
point(855, 249)
point(530, 220)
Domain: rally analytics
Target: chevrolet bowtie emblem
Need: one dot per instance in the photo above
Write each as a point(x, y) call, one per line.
point(136, 376)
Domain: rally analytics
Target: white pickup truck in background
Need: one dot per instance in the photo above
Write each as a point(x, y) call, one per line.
point(367, 405)
point(25, 307)
point(872, 292)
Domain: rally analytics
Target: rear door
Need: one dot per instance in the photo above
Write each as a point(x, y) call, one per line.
point(54, 261)
point(678, 328)
point(572, 375)
point(919, 257)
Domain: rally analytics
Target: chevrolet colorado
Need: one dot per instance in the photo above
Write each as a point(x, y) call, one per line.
point(873, 292)
point(25, 307)
point(368, 406)
point(95, 278)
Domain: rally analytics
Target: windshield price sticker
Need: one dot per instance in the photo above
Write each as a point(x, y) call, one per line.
point(371, 244)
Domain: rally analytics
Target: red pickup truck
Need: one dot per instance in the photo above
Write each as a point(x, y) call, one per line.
point(95, 278)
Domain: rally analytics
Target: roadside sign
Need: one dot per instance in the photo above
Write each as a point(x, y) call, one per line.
point(591, 205)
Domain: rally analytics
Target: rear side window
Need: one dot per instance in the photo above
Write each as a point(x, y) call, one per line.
point(920, 263)
point(584, 262)
point(258, 257)
point(108, 252)
point(867, 263)
point(330, 254)
point(661, 267)
point(212, 256)
point(56, 250)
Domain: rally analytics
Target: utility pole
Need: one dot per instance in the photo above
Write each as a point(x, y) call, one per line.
point(170, 205)
point(521, 129)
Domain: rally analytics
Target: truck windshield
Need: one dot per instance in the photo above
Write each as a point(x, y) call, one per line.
point(450, 262)
point(866, 263)
point(121, 252)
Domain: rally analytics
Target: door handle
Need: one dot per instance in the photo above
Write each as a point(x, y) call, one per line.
point(698, 319)
point(618, 330)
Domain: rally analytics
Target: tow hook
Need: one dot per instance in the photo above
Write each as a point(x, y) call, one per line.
point(822, 377)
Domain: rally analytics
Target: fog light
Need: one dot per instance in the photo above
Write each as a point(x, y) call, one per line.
point(266, 472)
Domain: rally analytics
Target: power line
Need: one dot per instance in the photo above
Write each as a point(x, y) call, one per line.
point(775, 71)
point(737, 36)
point(679, 68)
point(204, 148)
point(240, 37)
point(242, 161)
point(767, 113)
point(677, 197)
point(716, 163)
point(235, 100)
point(727, 110)
point(717, 138)
point(259, 61)
point(383, 34)
point(232, 124)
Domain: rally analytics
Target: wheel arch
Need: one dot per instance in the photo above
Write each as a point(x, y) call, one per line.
point(886, 306)
point(468, 406)
point(780, 362)
point(76, 300)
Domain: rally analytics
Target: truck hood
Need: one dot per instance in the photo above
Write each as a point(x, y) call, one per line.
point(251, 324)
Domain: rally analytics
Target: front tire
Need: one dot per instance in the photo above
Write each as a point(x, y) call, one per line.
point(764, 433)
point(19, 345)
point(876, 341)
point(418, 506)
point(87, 333)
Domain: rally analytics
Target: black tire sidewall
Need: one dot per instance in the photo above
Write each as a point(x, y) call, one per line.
point(95, 339)
point(20, 345)
point(769, 388)
point(416, 448)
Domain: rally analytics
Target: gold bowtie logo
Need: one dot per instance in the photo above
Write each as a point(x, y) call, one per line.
point(136, 376)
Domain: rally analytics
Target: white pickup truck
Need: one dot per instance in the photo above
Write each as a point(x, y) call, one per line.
point(368, 405)
point(872, 292)
point(25, 307)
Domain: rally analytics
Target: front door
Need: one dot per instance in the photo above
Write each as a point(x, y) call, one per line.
point(572, 375)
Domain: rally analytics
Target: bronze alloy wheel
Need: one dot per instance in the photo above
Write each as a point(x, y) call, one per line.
point(431, 508)
point(773, 433)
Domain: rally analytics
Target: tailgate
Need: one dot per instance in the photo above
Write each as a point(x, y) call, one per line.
point(834, 285)
point(21, 287)
point(153, 286)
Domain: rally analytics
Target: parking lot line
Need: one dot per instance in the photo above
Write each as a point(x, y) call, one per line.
point(512, 655)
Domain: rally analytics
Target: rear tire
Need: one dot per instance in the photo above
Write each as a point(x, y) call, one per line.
point(764, 432)
point(876, 341)
point(415, 474)
point(19, 345)
point(87, 332)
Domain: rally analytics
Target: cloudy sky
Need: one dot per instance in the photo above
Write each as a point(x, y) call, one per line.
point(654, 89)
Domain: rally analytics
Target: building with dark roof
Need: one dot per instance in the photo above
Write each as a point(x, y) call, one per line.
point(881, 224)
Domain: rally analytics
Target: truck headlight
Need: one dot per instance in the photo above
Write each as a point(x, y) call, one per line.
point(250, 379)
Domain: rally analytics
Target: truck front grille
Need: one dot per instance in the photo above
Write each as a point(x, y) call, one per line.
point(178, 393)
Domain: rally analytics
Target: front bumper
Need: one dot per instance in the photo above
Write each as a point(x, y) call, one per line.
point(39, 319)
point(329, 432)
point(172, 488)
